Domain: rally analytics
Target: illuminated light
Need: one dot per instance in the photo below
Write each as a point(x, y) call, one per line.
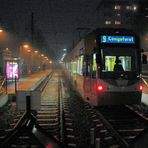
point(140, 87)
point(36, 51)
point(42, 55)
point(64, 49)
point(12, 70)
point(117, 39)
point(26, 46)
point(134, 8)
point(107, 22)
point(117, 7)
point(100, 87)
point(128, 7)
point(117, 22)
point(28, 50)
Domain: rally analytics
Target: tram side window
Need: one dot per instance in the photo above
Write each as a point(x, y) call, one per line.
point(94, 66)
point(80, 65)
point(86, 66)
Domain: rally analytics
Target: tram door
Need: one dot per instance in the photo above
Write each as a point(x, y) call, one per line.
point(87, 77)
point(90, 77)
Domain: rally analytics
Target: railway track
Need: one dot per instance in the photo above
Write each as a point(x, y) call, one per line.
point(123, 123)
point(64, 116)
point(48, 117)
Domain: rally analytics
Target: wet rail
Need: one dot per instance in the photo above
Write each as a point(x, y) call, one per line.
point(123, 123)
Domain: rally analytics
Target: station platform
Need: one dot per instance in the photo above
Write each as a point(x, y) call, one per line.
point(26, 83)
point(22, 84)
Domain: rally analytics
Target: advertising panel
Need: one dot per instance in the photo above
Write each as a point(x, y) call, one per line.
point(12, 70)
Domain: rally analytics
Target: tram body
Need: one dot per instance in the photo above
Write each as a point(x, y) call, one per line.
point(91, 67)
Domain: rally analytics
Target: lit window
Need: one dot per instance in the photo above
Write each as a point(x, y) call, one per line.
point(117, 7)
point(107, 22)
point(128, 7)
point(117, 22)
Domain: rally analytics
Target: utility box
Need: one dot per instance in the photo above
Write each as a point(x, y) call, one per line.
point(35, 100)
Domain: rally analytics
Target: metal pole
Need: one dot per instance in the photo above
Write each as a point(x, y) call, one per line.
point(32, 27)
point(28, 103)
point(92, 136)
point(6, 86)
point(15, 85)
point(97, 143)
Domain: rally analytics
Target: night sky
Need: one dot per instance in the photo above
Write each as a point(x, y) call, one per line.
point(56, 21)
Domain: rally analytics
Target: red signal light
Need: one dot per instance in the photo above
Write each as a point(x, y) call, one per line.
point(100, 87)
point(140, 87)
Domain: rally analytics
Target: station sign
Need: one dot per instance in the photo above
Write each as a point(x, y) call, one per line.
point(12, 70)
point(117, 39)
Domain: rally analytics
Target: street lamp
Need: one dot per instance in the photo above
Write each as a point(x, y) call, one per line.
point(25, 55)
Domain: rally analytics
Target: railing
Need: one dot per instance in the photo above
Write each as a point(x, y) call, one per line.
point(2, 85)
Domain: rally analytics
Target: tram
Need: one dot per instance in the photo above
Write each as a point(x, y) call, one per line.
point(105, 67)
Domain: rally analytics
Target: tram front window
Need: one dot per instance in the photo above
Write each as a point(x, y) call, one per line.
point(116, 62)
point(112, 61)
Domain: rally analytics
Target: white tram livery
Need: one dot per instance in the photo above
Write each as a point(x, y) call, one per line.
point(105, 67)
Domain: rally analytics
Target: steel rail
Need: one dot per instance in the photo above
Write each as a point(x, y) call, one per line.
point(122, 142)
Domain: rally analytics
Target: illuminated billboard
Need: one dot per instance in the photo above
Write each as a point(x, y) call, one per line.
point(117, 39)
point(12, 70)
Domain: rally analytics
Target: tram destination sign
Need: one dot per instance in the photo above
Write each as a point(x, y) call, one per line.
point(117, 39)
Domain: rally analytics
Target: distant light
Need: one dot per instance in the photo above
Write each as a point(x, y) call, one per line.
point(7, 49)
point(117, 22)
point(117, 7)
point(50, 62)
point(15, 58)
point(1, 30)
point(107, 22)
point(64, 49)
point(134, 8)
point(42, 55)
point(128, 7)
point(36, 51)
point(26, 46)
